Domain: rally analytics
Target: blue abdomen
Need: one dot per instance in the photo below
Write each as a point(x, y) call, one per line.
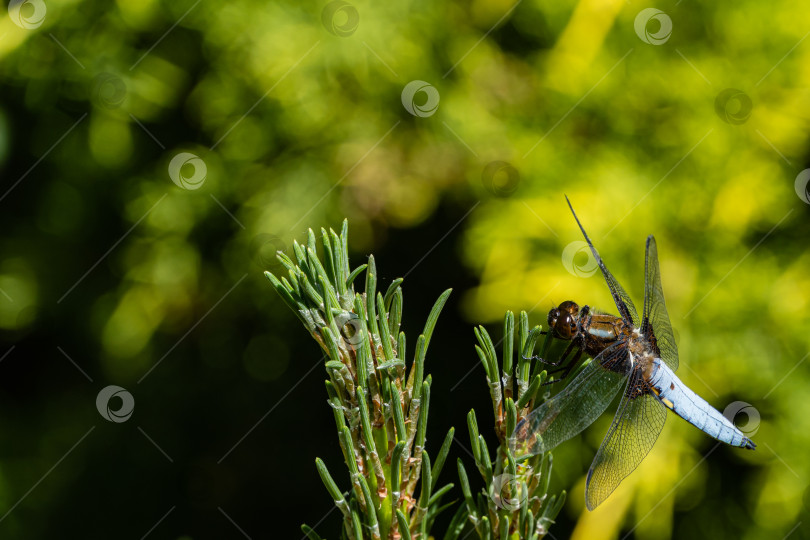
point(694, 409)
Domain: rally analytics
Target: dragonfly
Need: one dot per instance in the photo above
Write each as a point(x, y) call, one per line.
point(637, 356)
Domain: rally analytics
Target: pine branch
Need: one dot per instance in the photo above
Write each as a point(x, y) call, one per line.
point(380, 402)
point(515, 503)
point(379, 399)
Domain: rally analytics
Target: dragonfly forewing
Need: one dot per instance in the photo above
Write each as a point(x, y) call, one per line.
point(620, 297)
point(656, 319)
point(574, 408)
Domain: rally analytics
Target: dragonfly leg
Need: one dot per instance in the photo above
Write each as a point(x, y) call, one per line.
point(535, 356)
point(560, 364)
point(566, 369)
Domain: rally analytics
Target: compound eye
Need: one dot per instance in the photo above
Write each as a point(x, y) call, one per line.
point(565, 326)
point(552, 317)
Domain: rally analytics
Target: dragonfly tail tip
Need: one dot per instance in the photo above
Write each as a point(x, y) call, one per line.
point(749, 444)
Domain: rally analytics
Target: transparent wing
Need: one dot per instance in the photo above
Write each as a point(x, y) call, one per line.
point(634, 430)
point(575, 407)
point(656, 325)
point(620, 297)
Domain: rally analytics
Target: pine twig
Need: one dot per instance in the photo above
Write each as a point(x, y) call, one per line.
point(515, 502)
point(379, 399)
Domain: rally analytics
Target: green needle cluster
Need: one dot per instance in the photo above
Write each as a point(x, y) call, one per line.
point(515, 503)
point(380, 403)
point(380, 400)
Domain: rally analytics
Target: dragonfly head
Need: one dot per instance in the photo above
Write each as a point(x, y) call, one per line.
point(562, 320)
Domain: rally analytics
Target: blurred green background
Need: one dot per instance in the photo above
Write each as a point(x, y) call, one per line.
point(124, 264)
